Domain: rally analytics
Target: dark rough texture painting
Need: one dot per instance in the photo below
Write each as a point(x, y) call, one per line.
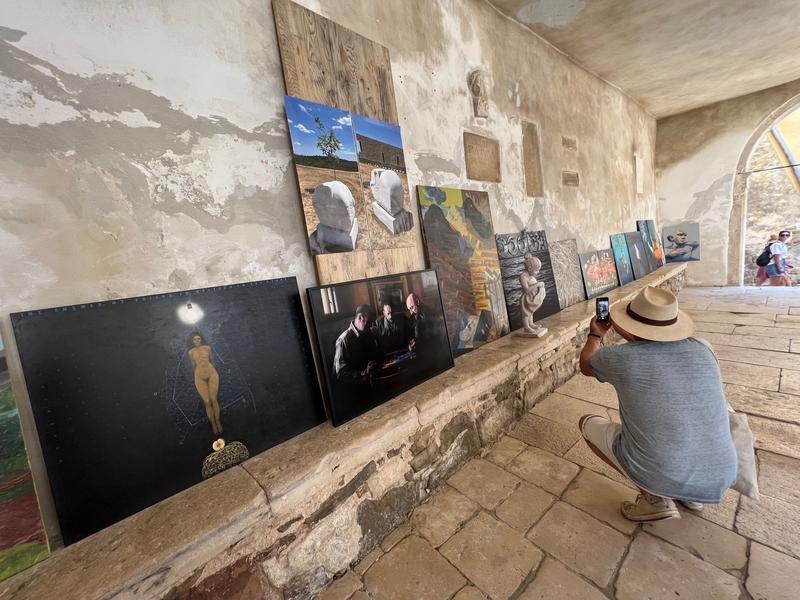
point(652, 243)
point(567, 272)
point(459, 241)
point(622, 258)
point(378, 338)
point(638, 253)
point(129, 395)
point(512, 248)
point(599, 272)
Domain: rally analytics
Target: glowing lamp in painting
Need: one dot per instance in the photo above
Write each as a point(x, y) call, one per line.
point(190, 313)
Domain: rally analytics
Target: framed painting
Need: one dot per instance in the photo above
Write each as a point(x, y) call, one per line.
point(22, 538)
point(652, 243)
point(459, 241)
point(682, 242)
point(372, 350)
point(514, 251)
point(622, 258)
point(638, 254)
point(599, 272)
point(567, 272)
point(137, 399)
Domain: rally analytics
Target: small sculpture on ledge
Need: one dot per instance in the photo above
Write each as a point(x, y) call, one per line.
point(533, 295)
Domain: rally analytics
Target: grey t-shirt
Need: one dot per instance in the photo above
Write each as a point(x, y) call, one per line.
point(675, 439)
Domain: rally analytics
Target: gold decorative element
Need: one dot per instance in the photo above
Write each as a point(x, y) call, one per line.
point(218, 445)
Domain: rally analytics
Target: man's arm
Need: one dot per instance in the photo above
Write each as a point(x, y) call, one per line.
point(344, 372)
point(597, 331)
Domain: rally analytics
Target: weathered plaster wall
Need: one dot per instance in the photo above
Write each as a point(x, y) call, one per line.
point(143, 146)
point(698, 154)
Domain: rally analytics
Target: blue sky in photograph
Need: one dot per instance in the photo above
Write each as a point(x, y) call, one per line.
point(388, 133)
point(303, 130)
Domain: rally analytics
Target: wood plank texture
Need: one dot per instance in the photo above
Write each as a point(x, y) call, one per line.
point(359, 264)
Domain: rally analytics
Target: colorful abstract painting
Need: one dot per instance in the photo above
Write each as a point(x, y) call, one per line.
point(513, 250)
point(22, 538)
point(599, 272)
point(622, 258)
point(460, 244)
point(682, 242)
point(567, 272)
point(652, 243)
point(638, 254)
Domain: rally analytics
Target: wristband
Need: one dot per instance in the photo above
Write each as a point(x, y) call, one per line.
point(599, 337)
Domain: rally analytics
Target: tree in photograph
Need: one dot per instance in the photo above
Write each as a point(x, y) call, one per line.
point(328, 143)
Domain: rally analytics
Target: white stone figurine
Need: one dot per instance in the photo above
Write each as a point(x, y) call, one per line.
point(337, 230)
point(533, 295)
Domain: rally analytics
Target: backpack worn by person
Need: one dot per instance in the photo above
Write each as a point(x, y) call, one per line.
point(764, 258)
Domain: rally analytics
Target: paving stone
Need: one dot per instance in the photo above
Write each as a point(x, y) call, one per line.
point(600, 497)
point(368, 561)
point(778, 331)
point(794, 311)
point(656, 570)
point(724, 513)
point(779, 476)
point(362, 595)
point(775, 405)
point(342, 588)
point(484, 482)
point(442, 515)
point(582, 455)
point(707, 316)
point(591, 390)
point(581, 542)
point(765, 378)
point(391, 540)
point(470, 593)
point(746, 341)
point(792, 320)
point(494, 556)
point(790, 382)
point(545, 434)
point(772, 575)
point(758, 309)
point(566, 409)
point(776, 436)
point(710, 542)
point(525, 506)
point(544, 469)
point(714, 327)
point(412, 571)
point(504, 450)
point(772, 522)
point(794, 346)
point(765, 358)
point(555, 582)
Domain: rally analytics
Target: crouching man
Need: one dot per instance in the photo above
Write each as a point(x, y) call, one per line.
point(674, 442)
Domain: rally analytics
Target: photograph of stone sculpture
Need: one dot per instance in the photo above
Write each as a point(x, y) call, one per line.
point(652, 243)
point(599, 272)
point(567, 272)
point(22, 539)
point(136, 399)
point(460, 244)
point(325, 158)
point(622, 258)
point(382, 168)
point(378, 338)
point(682, 242)
point(516, 252)
point(638, 254)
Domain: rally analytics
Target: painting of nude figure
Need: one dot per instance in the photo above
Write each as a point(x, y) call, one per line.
point(131, 397)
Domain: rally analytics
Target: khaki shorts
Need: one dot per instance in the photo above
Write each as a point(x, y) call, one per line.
point(601, 433)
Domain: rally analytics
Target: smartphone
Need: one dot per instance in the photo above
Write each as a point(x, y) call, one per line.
point(601, 308)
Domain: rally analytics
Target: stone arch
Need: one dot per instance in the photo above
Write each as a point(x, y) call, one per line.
point(736, 225)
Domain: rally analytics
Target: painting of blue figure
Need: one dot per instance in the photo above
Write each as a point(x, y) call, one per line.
point(682, 242)
point(622, 258)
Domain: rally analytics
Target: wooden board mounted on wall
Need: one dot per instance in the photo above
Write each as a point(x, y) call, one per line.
point(330, 64)
point(482, 157)
point(532, 159)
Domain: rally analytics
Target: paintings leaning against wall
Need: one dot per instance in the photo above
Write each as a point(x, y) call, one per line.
point(622, 258)
point(22, 539)
point(567, 272)
point(682, 242)
point(459, 240)
point(513, 249)
point(378, 338)
point(129, 395)
point(325, 159)
point(638, 254)
point(599, 272)
point(652, 243)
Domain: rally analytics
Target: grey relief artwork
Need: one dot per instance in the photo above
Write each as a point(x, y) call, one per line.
point(477, 91)
point(567, 271)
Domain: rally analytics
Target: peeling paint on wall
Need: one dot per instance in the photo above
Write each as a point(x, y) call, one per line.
point(551, 13)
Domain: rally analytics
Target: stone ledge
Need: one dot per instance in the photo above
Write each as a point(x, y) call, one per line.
point(331, 491)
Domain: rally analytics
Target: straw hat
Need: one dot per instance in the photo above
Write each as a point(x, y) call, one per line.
point(653, 315)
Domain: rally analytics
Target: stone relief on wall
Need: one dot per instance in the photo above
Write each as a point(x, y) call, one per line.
point(477, 89)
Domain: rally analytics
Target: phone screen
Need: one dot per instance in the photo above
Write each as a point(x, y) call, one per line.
point(602, 309)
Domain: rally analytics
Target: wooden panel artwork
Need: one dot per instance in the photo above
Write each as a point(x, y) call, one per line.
point(330, 64)
point(532, 160)
point(482, 157)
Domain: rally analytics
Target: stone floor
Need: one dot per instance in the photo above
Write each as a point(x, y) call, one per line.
point(538, 515)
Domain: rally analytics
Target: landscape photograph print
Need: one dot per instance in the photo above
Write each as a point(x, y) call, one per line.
point(378, 338)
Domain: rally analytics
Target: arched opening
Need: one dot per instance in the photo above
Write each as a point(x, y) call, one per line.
point(763, 172)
